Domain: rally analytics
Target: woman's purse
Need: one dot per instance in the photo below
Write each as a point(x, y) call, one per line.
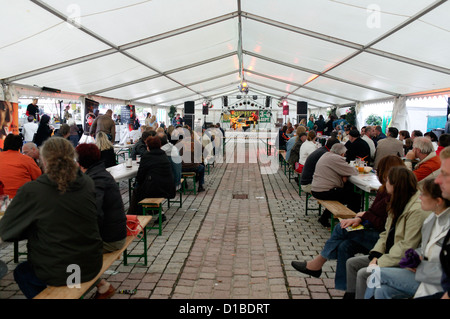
point(298, 167)
point(133, 225)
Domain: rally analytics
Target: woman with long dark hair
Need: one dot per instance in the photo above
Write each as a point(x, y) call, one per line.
point(420, 272)
point(402, 231)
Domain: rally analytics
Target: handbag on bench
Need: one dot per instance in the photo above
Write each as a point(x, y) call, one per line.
point(134, 227)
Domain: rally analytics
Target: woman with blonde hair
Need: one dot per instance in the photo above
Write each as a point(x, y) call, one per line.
point(106, 149)
point(62, 231)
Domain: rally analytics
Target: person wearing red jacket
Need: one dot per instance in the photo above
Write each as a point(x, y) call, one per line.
point(16, 169)
point(429, 162)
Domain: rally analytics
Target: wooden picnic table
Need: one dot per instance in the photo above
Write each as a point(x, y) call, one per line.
point(120, 172)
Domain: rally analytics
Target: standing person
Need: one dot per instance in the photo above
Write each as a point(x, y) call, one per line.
point(110, 209)
point(345, 243)
point(148, 119)
point(104, 123)
point(44, 130)
point(29, 129)
point(422, 277)
point(310, 124)
point(320, 125)
point(16, 169)
point(60, 232)
point(402, 231)
point(33, 109)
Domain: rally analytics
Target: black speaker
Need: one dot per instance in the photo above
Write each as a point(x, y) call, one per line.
point(189, 120)
point(205, 109)
point(302, 107)
point(267, 101)
point(225, 101)
point(189, 107)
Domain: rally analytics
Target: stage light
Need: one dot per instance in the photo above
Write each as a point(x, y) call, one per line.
point(243, 87)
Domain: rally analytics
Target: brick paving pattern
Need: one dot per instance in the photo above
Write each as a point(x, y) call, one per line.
point(220, 247)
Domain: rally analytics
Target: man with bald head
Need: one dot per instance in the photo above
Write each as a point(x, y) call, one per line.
point(30, 149)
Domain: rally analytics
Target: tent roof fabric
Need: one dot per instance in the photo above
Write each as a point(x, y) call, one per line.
point(166, 52)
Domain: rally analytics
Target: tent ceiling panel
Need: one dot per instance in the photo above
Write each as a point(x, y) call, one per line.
point(430, 40)
point(339, 88)
point(275, 71)
point(277, 94)
point(35, 42)
point(290, 47)
point(223, 81)
point(324, 97)
point(166, 98)
point(91, 75)
point(145, 88)
point(124, 21)
point(168, 51)
point(347, 19)
point(391, 75)
point(208, 70)
point(194, 46)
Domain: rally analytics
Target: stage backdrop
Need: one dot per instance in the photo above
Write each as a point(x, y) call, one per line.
point(263, 116)
point(9, 120)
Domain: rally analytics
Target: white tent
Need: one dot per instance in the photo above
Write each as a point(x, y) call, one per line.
point(165, 52)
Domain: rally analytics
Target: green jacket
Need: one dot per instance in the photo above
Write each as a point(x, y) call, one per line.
point(408, 233)
point(61, 229)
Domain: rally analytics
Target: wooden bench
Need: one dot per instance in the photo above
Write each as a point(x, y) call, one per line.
point(338, 210)
point(64, 292)
point(186, 176)
point(180, 191)
point(153, 204)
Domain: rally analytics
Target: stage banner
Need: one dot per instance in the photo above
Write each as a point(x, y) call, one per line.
point(89, 109)
point(244, 115)
point(9, 120)
point(265, 116)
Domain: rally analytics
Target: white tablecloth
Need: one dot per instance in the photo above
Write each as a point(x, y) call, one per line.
point(366, 182)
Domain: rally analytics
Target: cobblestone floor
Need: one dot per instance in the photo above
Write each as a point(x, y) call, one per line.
point(220, 247)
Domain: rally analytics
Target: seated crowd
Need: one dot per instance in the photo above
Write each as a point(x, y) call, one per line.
point(86, 211)
point(405, 231)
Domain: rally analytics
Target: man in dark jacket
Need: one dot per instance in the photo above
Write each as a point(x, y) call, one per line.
point(357, 147)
